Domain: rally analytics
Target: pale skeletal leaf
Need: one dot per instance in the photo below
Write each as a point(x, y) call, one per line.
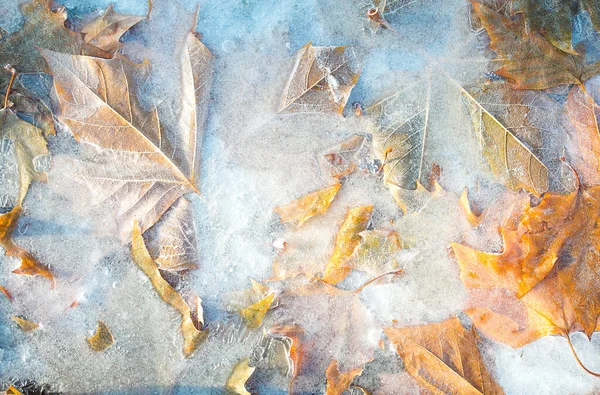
point(104, 32)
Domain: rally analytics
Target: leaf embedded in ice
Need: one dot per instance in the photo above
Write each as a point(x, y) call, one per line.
point(253, 315)
point(506, 155)
point(25, 325)
point(444, 358)
point(102, 339)
point(375, 253)
point(144, 160)
point(192, 337)
point(236, 383)
point(172, 241)
point(29, 265)
point(344, 158)
point(346, 240)
point(530, 60)
point(321, 80)
point(302, 209)
point(104, 32)
point(11, 391)
point(338, 382)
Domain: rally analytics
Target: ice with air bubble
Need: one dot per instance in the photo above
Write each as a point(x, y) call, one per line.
point(253, 160)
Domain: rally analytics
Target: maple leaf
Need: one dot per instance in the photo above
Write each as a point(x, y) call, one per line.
point(443, 358)
point(105, 31)
point(142, 160)
point(102, 339)
point(44, 27)
point(321, 80)
point(530, 60)
point(192, 336)
point(547, 273)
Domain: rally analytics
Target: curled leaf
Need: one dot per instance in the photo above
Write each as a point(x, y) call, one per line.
point(321, 80)
point(104, 32)
point(302, 209)
point(102, 339)
point(348, 237)
point(236, 382)
point(443, 358)
point(25, 325)
point(192, 337)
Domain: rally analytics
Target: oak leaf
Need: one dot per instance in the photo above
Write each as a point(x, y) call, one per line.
point(192, 337)
point(530, 60)
point(102, 339)
point(321, 80)
point(300, 210)
point(443, 358)
point(104, 32)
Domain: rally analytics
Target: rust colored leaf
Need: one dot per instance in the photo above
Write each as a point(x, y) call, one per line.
point(147, 159)
point(583, 116)
point(443, 358)
point(296, 352)
point(102, 339)
point(29, 265)
point(299, 211)
point(25, 325)
point(321, 80)
point(348, 237)
point(6, 293)
point(530, 60)
point(236, 383)
point(255, 313)
point(104, 32)
point(338, 382)
point(192, 337)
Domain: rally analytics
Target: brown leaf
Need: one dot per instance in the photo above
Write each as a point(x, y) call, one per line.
point(143, 160)
point(347, 239)
point(299, 211)
point(338, 382)
point(102, 339)
point(530, 60)
point(443, 358)
point(321, 80)
point(192, 337)
point(296, 351)
point(105, 31)
point(29, 265)
point(25, 325)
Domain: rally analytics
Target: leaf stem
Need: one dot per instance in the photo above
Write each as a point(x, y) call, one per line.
point(11, 70)
point(577, 358)
point(394, 273)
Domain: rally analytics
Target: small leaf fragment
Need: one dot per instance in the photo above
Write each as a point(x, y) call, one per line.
point(299, 211)
point(347, 239)
point(236, 382)
point(25, 325)
point(254, 314)
point(192, 337)
point(342, 159)
point(6, 293)
point(104, 32)
point(12, 391)
point(338, 382)
point(321, 80)
point(102, 339)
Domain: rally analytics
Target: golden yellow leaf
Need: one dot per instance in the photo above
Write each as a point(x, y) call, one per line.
point(25, 325)
point(12, 391)
point(254, 314)
point(104, 32)
point(236, 382)
point(375, 252)
point(102, 339)
point(321, 80)
point(348, 237)
point(192, 337)
point(299, 211)
point(443, 358)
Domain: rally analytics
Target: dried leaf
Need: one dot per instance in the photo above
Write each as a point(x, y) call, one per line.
point(236, 382)
point(348, 237)
point(254, 314)
point(192, 337)
point(299, 211)
point(506, 155)
point(443, 358)
point(29, 265)
point(321, 80)
point(26, 326)
point(375, 252)
point(147, 159)
point(6, 293)
point(43, 28)
point(102, 339)
point(338, 382)
point(12, 391)
point(342, 159)
point(296, 352)
point(530, 60)
point(582, 115)
point(104, 32)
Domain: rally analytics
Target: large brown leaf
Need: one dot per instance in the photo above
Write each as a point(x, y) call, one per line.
point(105, 31)
point(443, 358)
point(529, 59)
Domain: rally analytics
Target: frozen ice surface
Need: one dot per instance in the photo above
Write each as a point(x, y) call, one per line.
point(252, 161)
